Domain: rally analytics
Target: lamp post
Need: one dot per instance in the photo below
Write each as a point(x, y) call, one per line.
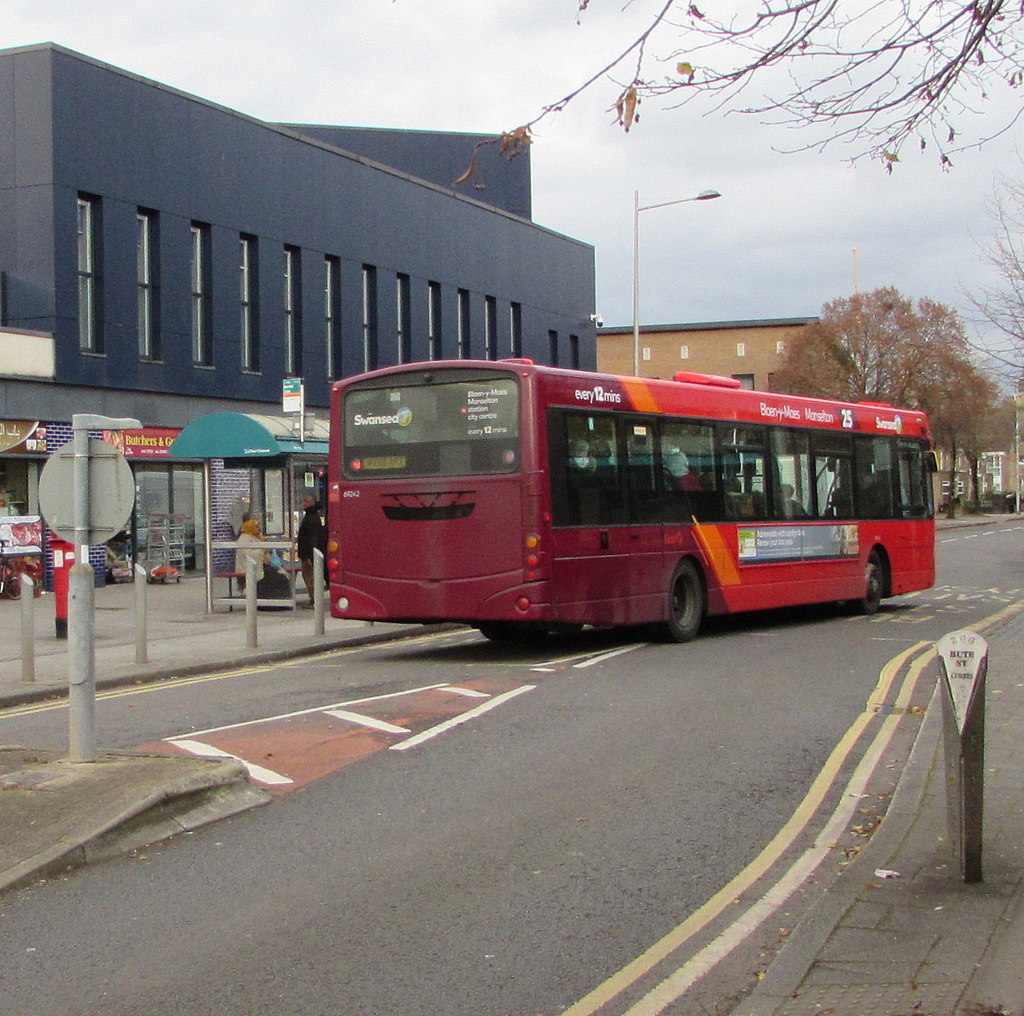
point(705, 195)
point(1018, 397)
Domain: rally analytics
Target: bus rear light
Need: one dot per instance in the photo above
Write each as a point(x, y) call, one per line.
point(333, 564)
point(532, 541)
point(522, 604)
point(333, 546)
point(532, 560)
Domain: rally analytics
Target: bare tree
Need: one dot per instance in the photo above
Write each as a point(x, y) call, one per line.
point(1002, 305)
point(876, 75)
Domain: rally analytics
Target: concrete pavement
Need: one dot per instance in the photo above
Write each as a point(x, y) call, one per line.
point(899, 933)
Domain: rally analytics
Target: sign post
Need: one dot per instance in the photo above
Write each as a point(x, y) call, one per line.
point(963, 658)
point(102, 494)
point(293, 400)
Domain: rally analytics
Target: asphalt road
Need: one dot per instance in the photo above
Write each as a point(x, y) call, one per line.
point(509, 864)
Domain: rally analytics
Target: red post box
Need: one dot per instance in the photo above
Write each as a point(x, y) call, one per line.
point(63, 560)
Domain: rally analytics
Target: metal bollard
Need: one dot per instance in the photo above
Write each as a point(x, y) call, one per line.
point(141, 616)
point(963, 661)
point(82, 664)
point(318, 592)
point(251, 635)
point(28, 629)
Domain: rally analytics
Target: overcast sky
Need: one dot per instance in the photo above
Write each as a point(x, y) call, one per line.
point(779, 243)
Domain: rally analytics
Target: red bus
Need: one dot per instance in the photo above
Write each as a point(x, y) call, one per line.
point(515, 497)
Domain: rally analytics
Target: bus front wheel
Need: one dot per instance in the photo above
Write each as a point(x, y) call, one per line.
point(686, 603)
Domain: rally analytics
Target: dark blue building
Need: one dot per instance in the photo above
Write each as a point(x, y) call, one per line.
point(163, 257)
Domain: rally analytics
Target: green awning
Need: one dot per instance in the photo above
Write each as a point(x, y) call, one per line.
point(249, 436)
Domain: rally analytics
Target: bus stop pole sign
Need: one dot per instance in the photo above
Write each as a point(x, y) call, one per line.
point(963, 660)
point(102, 492)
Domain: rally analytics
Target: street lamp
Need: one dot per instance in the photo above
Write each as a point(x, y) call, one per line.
point(705, 195)
point(1018, 397)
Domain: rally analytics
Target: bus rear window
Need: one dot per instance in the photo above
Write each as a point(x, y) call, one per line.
point(448, 428)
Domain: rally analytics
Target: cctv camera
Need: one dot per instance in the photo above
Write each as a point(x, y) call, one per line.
point(598, 320)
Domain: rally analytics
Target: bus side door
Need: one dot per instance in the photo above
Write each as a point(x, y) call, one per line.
point(646, 493)
point(590, 571)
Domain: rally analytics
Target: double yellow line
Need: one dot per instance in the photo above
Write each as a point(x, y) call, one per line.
point(911, 663)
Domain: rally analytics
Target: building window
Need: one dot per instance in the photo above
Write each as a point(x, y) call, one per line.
point(553, 348)
point(248, 301)
point(491, 328)
point(746, 381)
point(202, 351)
point(369, 317)
point(146, 267)
point(332, 315)
point(515, 314)
point(292, 312)
point(780, 348)
point(574, 352)
point(741, 349)
point(90, 338)
point(402, 320)
point(645, 353)
point(434, 344)
point(684, 352)
point(464, 338)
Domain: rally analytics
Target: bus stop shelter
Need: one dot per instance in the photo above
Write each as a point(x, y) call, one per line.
point(284, 455)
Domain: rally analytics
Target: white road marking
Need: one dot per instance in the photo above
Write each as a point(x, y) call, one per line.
point(586, 659)
point(468, 692)
point(367, 721)
point(470, 714)
point(602, 657)
point(258, 773)
point(314, 709)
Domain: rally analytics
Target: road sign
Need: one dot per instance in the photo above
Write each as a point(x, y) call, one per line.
point(292, 395)
point(111, 493)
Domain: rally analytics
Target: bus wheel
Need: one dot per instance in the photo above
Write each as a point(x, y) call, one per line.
point(875, 581)
point(507, 631)
point(686, 603)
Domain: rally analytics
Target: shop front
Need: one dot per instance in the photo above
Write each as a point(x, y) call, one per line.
point(166, 529)
point(22, 455)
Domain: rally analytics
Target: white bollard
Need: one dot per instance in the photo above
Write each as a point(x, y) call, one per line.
point(251, 634)
point(141, 616)
point(318, 592)
point(82, 664)
point(28, 629)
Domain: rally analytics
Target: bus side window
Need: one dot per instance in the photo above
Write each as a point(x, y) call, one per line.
point(914, 480)
point(790, 466)
point(873, 458)
point(833, 475)
point(587, 488)
point(687, 452)
point(645, 492)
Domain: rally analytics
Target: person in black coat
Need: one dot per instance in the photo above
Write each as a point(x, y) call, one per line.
point(312, 536)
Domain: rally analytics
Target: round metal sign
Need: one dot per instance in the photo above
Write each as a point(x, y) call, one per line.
point(111, 493)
